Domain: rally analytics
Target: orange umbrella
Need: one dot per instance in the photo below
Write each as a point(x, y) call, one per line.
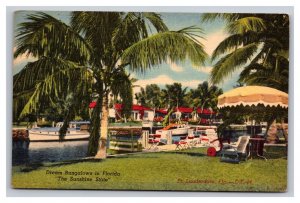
point(253, 96)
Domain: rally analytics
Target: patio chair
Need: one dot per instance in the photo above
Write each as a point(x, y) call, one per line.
point(182, 143)
point(204, 139)
point(235, 153)
point(154, 140)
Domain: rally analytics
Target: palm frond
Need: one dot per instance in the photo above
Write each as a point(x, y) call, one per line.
point(133, 28)
point(246, 24)
point(268, 79)
point(229, 17)
point(38, 70)
point(248, 70)
point(44, 35)
point(158, 48)
point(227, 45)
point(97, 29)
point(229, 63)
point(155, 20)
point(53, 80)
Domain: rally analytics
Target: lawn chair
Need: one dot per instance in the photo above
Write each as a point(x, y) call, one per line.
point(204, 139)
point(235, 153)
point(154, 140)
point(182, 143)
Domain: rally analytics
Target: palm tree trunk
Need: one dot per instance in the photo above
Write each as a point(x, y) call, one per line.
point(101, 154)
point(95, 121)
point(284, 130)
point(69, 115)
point(272, 132)
point(200, 115)
point(95, 128)
point(64, 127)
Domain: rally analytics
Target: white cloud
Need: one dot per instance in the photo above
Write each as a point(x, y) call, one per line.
point(174, 67)
point(203, 69)
point(212, 40)
point(164, 80)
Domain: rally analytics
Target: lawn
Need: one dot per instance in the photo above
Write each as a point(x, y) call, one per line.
point(189, 170)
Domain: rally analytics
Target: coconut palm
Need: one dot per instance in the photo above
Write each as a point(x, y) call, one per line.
point(174, 95)
point(97, 44)
point(204, 96)
point(149, 96)
point(259, 43)
point(271, 75)
point(141, 97)
point(255, 41)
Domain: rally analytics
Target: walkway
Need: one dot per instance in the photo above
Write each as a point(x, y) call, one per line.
point(170, 147)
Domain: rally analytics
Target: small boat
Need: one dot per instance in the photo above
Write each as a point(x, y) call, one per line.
point(78, 130)
point(174, 129)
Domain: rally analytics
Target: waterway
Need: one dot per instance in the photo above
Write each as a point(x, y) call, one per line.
point(38, 152)
point(24, 153)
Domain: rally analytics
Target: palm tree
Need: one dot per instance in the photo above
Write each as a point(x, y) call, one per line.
point(171, 97)
point(204, 96)
point(259, 43)
point(275, 76)
point(174, 95)
point(153, 96)
point(100, 44)
point(256, 42)
point(141, 97)
point(149, 96)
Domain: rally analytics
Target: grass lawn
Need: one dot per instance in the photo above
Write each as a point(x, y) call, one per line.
point(129, 123)
point(189, 170)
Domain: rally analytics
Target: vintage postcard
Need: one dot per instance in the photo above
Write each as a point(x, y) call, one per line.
point(150, 101)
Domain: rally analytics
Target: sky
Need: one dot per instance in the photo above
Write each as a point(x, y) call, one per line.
point(170, 72)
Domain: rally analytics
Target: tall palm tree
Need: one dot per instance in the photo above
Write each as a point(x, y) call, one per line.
point(259, 43)
point(204, 96)
point(99, 44)
point(271, 75)
point(174, 95)
point(171, 97)
point(153, 96)
point(141, 97)
point(255, 41)
point(149, 96)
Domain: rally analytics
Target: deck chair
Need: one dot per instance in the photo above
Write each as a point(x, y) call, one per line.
point(235, 153)
point(154, 140)
point(182, 143)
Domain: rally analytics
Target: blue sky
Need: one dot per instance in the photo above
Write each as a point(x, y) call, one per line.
point(169, 72)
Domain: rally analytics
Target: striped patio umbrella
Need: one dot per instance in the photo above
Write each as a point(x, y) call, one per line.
point(253, 96)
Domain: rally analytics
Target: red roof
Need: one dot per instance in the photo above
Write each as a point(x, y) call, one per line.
point(163, 111)
point(205, 111)
point(184, 109)
point(135, 107)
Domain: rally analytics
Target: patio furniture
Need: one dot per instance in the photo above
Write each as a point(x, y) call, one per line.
point(191, 141)
point(181, 144)
point(204, 139)
point(197, 139)
point(257, 147)
point(154, 140)
point(235, 153)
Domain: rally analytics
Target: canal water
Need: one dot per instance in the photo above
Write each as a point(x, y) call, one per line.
point(38, 152)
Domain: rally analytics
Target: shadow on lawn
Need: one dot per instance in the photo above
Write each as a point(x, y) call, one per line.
point(35, 166)
point(275, 152)
point(195, 154)
point(269, 153)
